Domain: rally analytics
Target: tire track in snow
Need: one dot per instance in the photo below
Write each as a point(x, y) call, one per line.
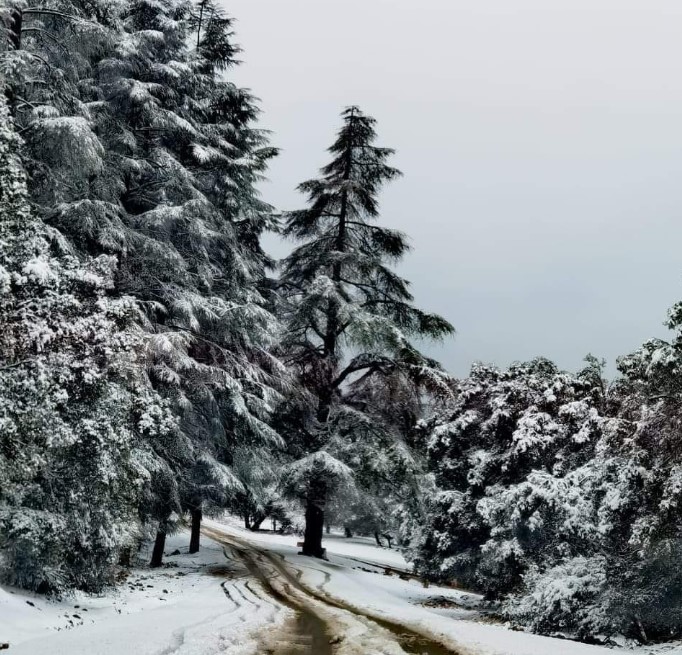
point(345, 629)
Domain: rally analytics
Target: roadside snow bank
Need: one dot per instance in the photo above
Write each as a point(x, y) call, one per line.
point(195, 605)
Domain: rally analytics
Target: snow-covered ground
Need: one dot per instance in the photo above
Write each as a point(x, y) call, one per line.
point(181, 608)
point(209, 604)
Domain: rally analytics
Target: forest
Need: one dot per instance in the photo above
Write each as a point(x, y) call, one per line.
point(158, 366)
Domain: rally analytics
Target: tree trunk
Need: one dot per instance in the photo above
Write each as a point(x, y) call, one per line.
point(314, 523)
point(255, 526)
point(641, 630)
point(13, 33)
point(328, 528)
point(201, 18)
point(316, 501)
point(125, 557)
point(388, 538)
point(159, 545)
point(347, 532)
point(195, 537)
point(378, 540)
point(247, 525)
point(15, 24)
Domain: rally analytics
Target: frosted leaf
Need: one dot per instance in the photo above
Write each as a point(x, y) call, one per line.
point(39, 271)
point(69, 144)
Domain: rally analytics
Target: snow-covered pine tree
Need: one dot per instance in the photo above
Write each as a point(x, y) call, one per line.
point(340, 297)
point(200, 158)
point(76, 415)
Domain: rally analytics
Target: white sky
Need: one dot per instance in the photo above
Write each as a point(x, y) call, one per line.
point(541, 142)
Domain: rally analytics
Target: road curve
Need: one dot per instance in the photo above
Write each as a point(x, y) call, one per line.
point(323, 625)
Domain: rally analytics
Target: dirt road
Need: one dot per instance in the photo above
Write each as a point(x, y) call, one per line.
point(321, 625)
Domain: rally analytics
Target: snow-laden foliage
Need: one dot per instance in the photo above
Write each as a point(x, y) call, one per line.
point(565, 598)
point(77, 421)
point(138, 146)
point(501, 454)
point(299, 475)
point(150, 369)
point(560, 495)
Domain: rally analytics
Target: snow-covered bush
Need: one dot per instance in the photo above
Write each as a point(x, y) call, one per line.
point(566, 598)
point(501, 454)
point(560, 495)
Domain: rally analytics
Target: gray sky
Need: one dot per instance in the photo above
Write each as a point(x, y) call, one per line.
point(541, 142)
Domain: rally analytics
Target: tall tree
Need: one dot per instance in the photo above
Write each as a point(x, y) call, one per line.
point(340, 297)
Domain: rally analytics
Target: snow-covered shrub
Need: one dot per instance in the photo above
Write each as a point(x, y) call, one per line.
point(643, 591)
point(561, 496)
point(566, 598)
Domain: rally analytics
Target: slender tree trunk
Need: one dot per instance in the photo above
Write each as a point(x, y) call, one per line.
point(125, 558)
point(255, 526)
point(314, 518)
point(642, 632)
point(201, 18)
point(194, 540)
point(347, 532)
point(314, 522)
point(389, 539)
point(159, 545)
point(378, 540)
point(247, 525)
point(15, 25)
point(327, 527)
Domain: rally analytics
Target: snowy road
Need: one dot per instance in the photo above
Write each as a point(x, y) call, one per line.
point(366, 612)
point(323, 625)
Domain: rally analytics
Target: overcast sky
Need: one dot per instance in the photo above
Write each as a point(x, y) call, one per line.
point(541, 142)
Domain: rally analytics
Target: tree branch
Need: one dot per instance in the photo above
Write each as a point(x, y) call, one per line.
point(371, 367)
point(16, 364)
point(47, 35)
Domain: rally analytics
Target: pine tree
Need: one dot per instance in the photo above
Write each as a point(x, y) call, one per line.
point(199, 205)
point(341, 297)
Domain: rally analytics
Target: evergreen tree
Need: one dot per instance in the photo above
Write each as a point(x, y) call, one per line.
point(506, 435)
point(341, 297)
point(561, 495)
